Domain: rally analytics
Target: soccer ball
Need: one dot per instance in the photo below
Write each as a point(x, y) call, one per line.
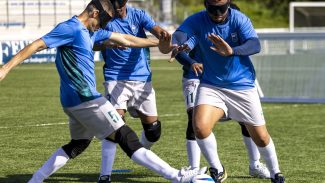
point(202, 178)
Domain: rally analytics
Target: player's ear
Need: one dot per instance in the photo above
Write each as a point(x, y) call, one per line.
point(94, 14)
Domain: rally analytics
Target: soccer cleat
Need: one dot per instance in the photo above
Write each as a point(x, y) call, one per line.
point(187, 173)
point(104, 179)
point(218, 177)
point(278, 178)
point(260, 171)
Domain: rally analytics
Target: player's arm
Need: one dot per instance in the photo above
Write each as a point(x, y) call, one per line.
point(108, 44)
point(159, 32)
point(126, 40)
point(249, 47)
point(184, 59)
point(23, 54)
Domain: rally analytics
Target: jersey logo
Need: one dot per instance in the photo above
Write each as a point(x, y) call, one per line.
point(134, 29)
point(234, 37)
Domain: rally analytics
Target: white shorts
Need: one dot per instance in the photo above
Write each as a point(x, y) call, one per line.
point(189, 91)
point(239, 105)
point(93, 118)
point(132, 96)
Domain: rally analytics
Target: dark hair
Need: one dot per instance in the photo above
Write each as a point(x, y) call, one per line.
point(234, 6)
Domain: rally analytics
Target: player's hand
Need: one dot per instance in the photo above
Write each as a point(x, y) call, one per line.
point(220, 45)
point(197, 68)
point(178, 49)
point(164, 35)
point(165, 44)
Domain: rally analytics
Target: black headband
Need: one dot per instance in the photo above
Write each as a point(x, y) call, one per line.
point(104, 17)
point(217, 10)
point(121, 3)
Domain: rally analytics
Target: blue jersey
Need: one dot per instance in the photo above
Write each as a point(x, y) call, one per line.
point(132, 63)
point(233, 72)
point(75, 60)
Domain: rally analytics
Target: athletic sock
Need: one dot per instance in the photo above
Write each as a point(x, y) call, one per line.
point(58, 159)
point(108, 156)
point(145, 142)
point(252, 151)
point(193, 153)
point(269, 155)
point(150, 160)
point(208, 148)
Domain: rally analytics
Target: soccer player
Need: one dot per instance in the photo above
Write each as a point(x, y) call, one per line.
point(192, 70)
point(128, 79)
point(226, 38)
point(89, 113)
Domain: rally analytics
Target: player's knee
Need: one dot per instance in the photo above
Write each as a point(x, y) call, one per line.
point(127, 140)
point(190, 131)
point(75, 147)
point(244, 130)
point(152, 131)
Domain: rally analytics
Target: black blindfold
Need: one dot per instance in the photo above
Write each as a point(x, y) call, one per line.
point(104, 17)
point(217, 10)
point(120, 3)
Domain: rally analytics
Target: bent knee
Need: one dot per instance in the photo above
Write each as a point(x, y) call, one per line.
point(201, 131)
point(262, 141)
point(152, 131)
point(76, 147)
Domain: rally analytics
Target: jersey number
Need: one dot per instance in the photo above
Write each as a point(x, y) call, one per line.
point(113, 116)
point(190, 98)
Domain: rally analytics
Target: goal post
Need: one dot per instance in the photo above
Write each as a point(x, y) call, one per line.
point(306, 14)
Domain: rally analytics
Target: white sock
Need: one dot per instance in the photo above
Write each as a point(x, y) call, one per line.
point(252, 151)
point(145, 142)
point(269, 155)
point(150, 160)
point(108, 156)
point(193, 153)
point(208, 148)
point(58, 159)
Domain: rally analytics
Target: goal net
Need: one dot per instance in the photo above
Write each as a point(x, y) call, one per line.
point(291, 67)
point(307, 16)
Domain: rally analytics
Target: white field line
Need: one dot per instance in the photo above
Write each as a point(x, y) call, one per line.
point(66, 123)
point(35, 125)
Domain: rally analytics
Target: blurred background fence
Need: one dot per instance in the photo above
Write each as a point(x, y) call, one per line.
point(290, 67)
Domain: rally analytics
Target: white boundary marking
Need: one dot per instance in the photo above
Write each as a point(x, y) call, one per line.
point(36, 125)
point(66, 123)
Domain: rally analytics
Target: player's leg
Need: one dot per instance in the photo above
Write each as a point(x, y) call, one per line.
point(81, 138)
point(108, 156)
point(193, 150)
point(256, 168)
point(208, 110)
point(252, 115)
point(142, 104)
point(129, 143)
point(151, 130)
point(266, 147)
point(117, 94)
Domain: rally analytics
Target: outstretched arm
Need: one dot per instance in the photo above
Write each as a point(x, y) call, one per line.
point(23, 54)
point(126, 40)
point(108, 44)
